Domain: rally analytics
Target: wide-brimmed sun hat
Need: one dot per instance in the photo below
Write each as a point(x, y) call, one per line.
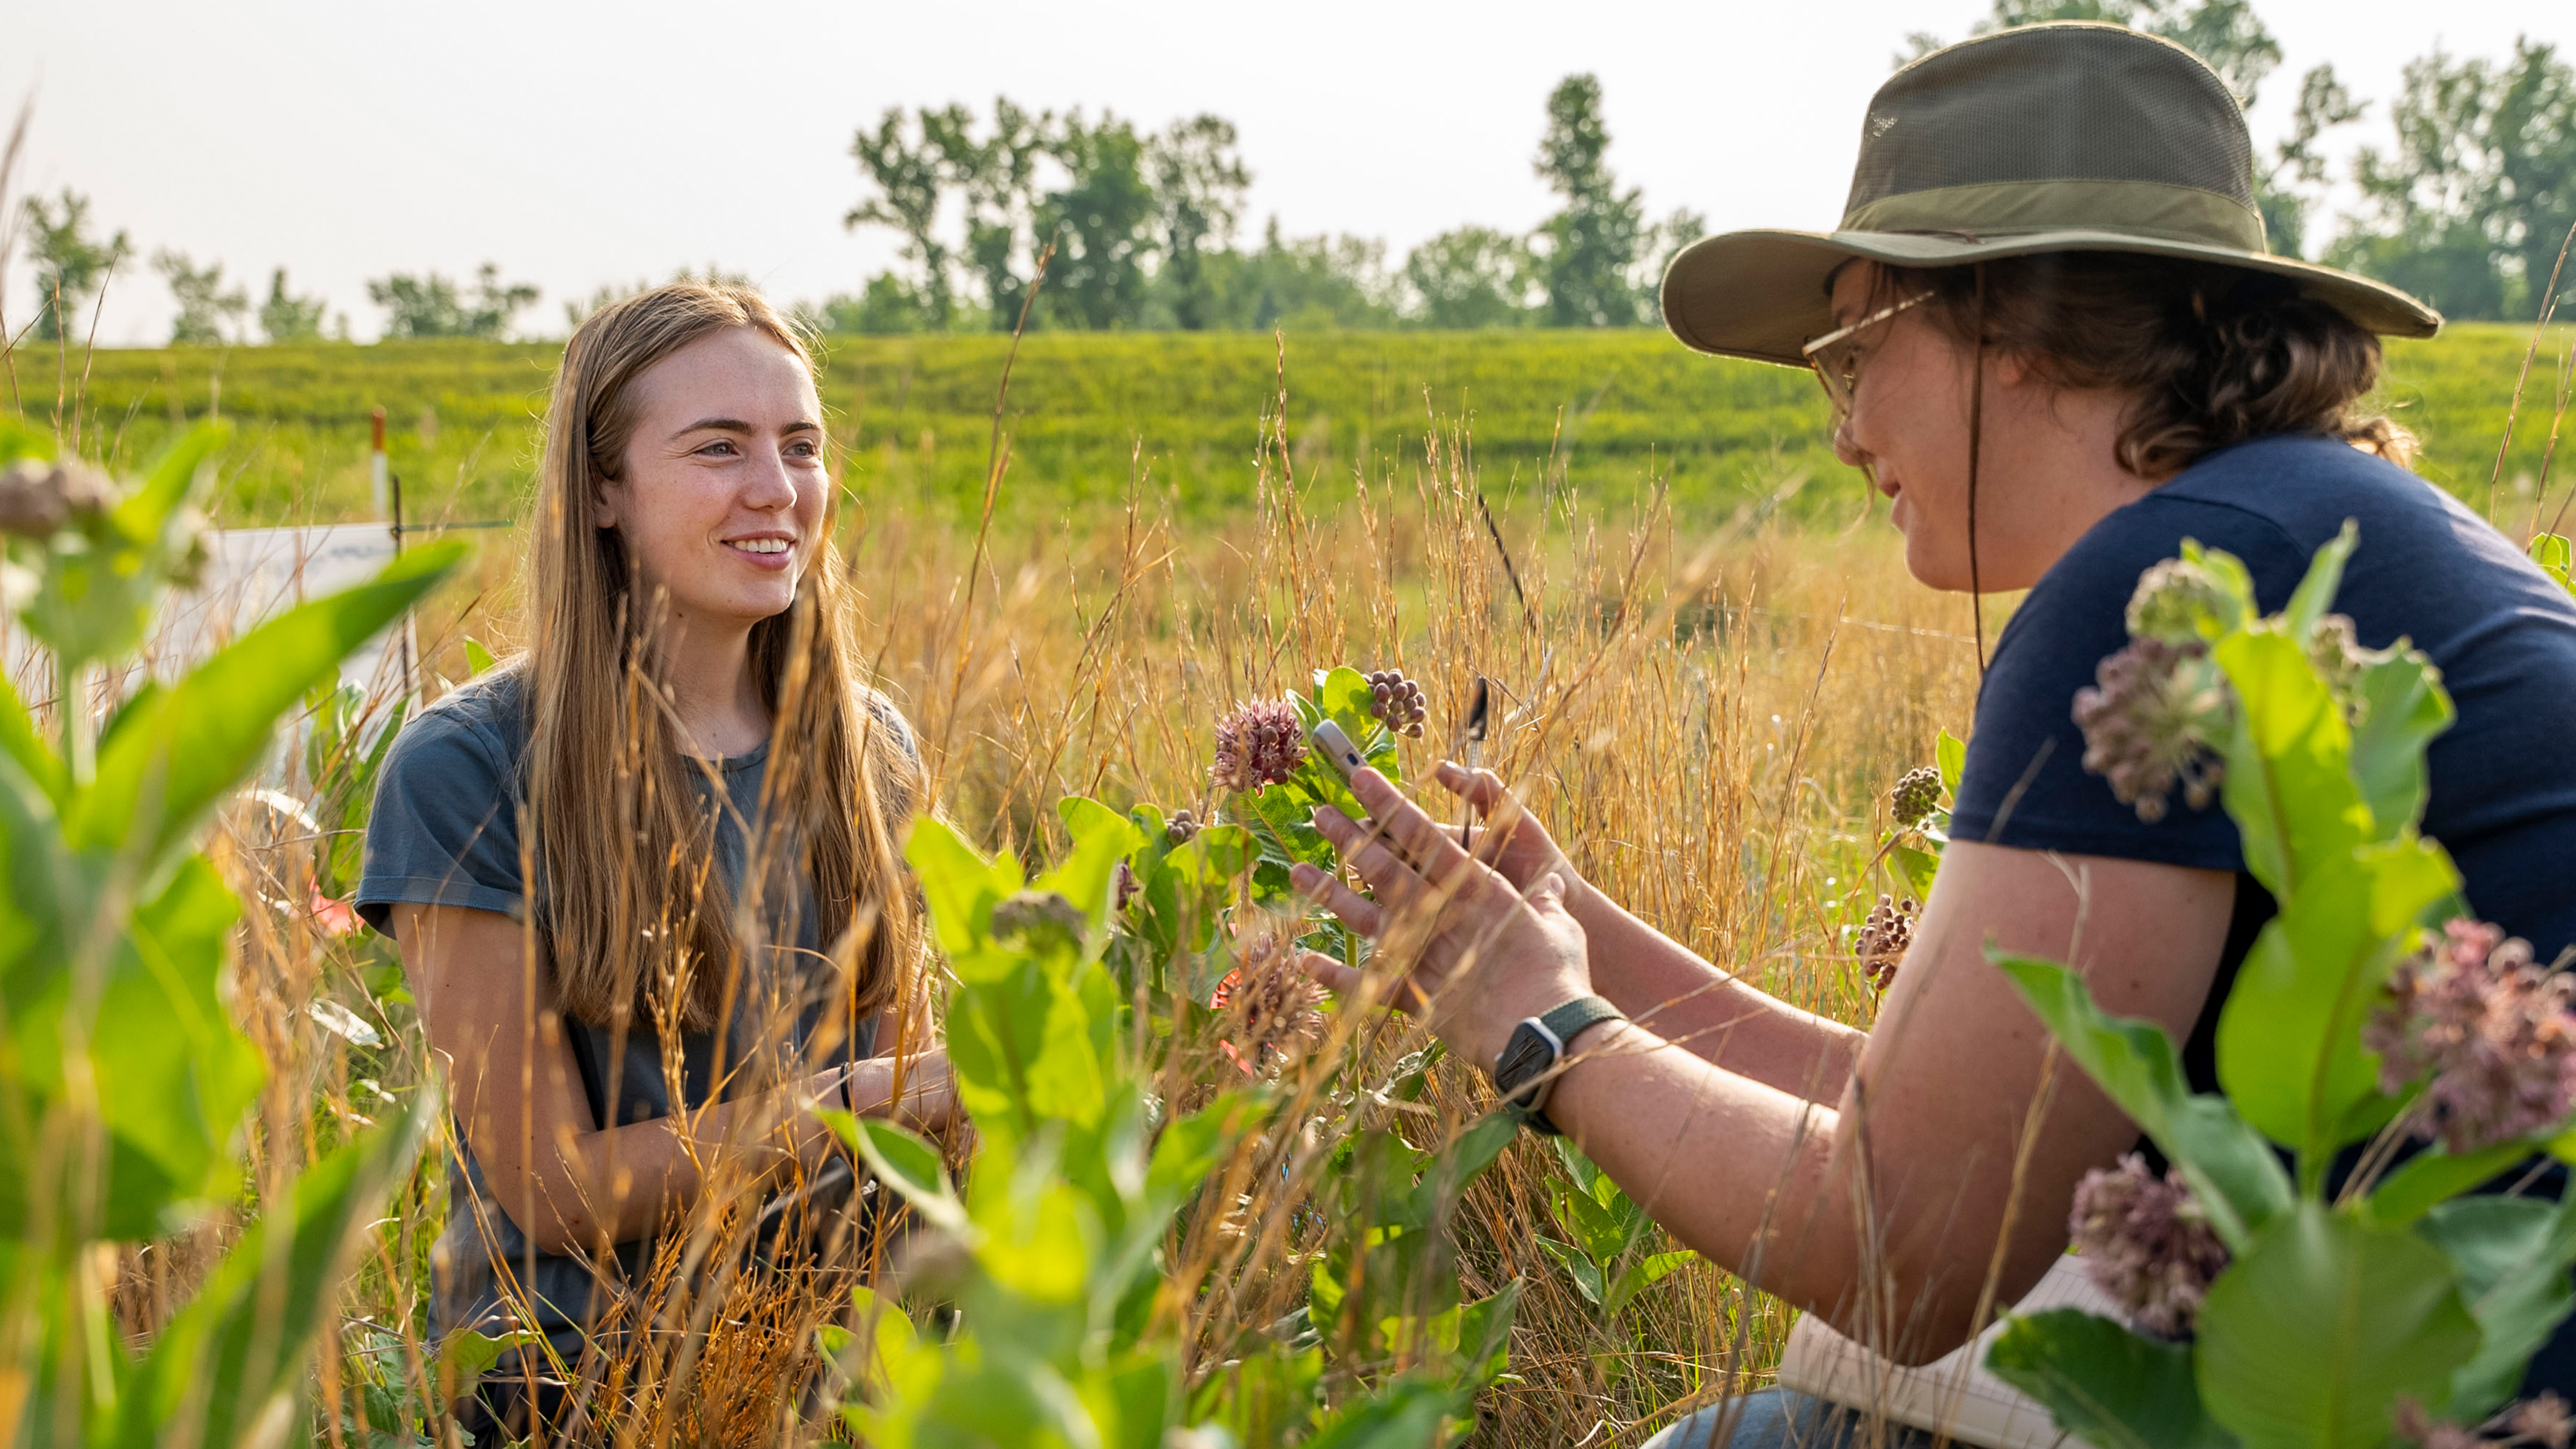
point(2071, 136)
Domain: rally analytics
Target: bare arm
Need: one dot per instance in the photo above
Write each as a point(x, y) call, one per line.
point(565, 1182)
point(1657, 980)
point(1935, 1154)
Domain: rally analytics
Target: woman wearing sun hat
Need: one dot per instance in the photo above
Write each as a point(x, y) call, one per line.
point(2054, 338)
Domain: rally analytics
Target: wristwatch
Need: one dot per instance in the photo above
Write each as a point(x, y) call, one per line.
point(1521, 1073)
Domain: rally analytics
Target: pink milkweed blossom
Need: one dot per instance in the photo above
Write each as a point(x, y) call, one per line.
point(2542, 1422)
point(2489, 1025)
point(2148, 1243)
point(332, 917)
point(2151, 721)
point(1273, 1011)
point(1258, 744)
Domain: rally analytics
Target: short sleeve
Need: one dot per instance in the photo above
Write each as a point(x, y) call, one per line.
point(444, 829)
point(2024, 783)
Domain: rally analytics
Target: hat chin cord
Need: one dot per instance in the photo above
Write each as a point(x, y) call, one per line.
point(1976, 435)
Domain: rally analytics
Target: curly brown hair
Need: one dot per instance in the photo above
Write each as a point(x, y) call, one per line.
point(2215, 355)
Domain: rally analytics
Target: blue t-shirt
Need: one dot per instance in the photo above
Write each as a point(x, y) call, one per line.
point(445, 830)
point(2503, 793)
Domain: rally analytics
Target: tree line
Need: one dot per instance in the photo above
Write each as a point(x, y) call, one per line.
point(2465, 202)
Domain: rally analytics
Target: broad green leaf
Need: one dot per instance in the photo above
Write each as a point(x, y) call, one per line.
point(2105, 1385)
point(18, 739)
point(2403, 708)
point(1342, 694)
point(2229, 1165)
point(1578, 1266)
point(477, 658)
point(1192, 1148)
point(160, 775)
point(2512, 1254)
point(1406, 1414)
point(1101, 838)
point(905, 1163)
point(960, 885)
point(1641, 1275)
point(2429, 1178)
point(2237, 607)
point(2307, 1340)
point(1918, 867)
point(1462, 1162)
point(1950, 753)
point(2551, 552)
point(2314, 596)
point(2289, 1037)
point(2288, 784)
point(465, 1356)
point(1484, 1335)
point(235, 1355)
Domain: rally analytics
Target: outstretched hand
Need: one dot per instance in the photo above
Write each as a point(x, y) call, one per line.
point(1476, 952)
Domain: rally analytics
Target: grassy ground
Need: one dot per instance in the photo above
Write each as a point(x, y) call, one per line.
point(1178, 416)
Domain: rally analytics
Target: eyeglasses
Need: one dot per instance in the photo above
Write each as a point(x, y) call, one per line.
point(1836, 356)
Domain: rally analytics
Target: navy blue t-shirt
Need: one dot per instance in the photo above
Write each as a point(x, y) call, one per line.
point(2503, 795)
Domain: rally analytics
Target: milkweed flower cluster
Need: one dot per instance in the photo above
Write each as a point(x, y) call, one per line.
point(1398, 701)
point(1272, 1009)
point(1883, 939)
point(1917, 794)
point(1039, 921)
point(1258, 744)
point(2490, 1026)
point(2147, 1242)
point(37, 499)
point(2151, 723)
point(2542, 1422)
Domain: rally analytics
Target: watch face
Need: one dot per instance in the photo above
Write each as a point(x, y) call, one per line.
point(1525, 1056)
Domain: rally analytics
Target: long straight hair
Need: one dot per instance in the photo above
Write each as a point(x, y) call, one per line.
point(634, 913)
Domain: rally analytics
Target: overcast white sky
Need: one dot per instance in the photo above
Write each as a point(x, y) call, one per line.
point(577, 144)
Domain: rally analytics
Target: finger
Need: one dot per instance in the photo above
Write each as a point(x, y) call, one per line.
point(1397, 884)
point(1480, 788)
point(1355, 910)
point(1332, 975)
point(1422, 840)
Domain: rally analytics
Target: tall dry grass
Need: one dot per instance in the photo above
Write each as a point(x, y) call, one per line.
point(1706, 711)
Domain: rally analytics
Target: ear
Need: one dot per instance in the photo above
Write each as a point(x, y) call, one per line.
point(603, 512)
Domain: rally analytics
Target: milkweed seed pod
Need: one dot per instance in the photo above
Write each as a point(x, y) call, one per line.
point(2147, 1242)
point(1917, 794)
point(2489, 1025)
point(1398, 701)
point(37, 499)
point(1258, 744)
point(1182, 828)
point(1884, 936)
point(2150, 723)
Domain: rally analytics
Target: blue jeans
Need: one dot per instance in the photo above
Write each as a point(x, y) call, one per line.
point(1785, 1419)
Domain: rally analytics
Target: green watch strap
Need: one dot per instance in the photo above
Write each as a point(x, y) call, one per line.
point(1583, 1011)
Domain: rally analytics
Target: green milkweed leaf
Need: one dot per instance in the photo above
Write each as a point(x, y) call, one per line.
point(2104, 1384)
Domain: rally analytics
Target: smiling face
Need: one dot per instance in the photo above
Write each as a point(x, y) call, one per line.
point(2046, 468)
point(720, 500)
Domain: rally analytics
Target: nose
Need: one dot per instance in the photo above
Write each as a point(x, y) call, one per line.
point(768, 486)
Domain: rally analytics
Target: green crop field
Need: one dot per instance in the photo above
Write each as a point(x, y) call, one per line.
point(1176, 416)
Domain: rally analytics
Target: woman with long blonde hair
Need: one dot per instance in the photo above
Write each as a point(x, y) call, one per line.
point(644, 877)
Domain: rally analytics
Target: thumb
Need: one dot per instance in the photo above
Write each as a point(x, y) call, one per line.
point(1547, 896)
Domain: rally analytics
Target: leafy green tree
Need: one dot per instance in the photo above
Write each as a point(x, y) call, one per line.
point(1198, 183)
point(71, 264)
point(890, 307)
point(2469, 207)
point(1474, 276)
point(1315, 282)
point(997, 177)
point(2290, 188)
point(1586, 251)
point(204, 306)
point(910, 170)
point(285, 317)
point(431, 306)
point(1101, 222)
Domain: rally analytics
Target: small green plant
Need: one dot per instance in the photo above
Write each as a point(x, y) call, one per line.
point(1606, 1234)
point(1084, 1258)
point(124, 1080)
point(2285, 1309)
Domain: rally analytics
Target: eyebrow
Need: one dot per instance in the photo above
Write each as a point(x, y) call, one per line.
point(738, 426)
